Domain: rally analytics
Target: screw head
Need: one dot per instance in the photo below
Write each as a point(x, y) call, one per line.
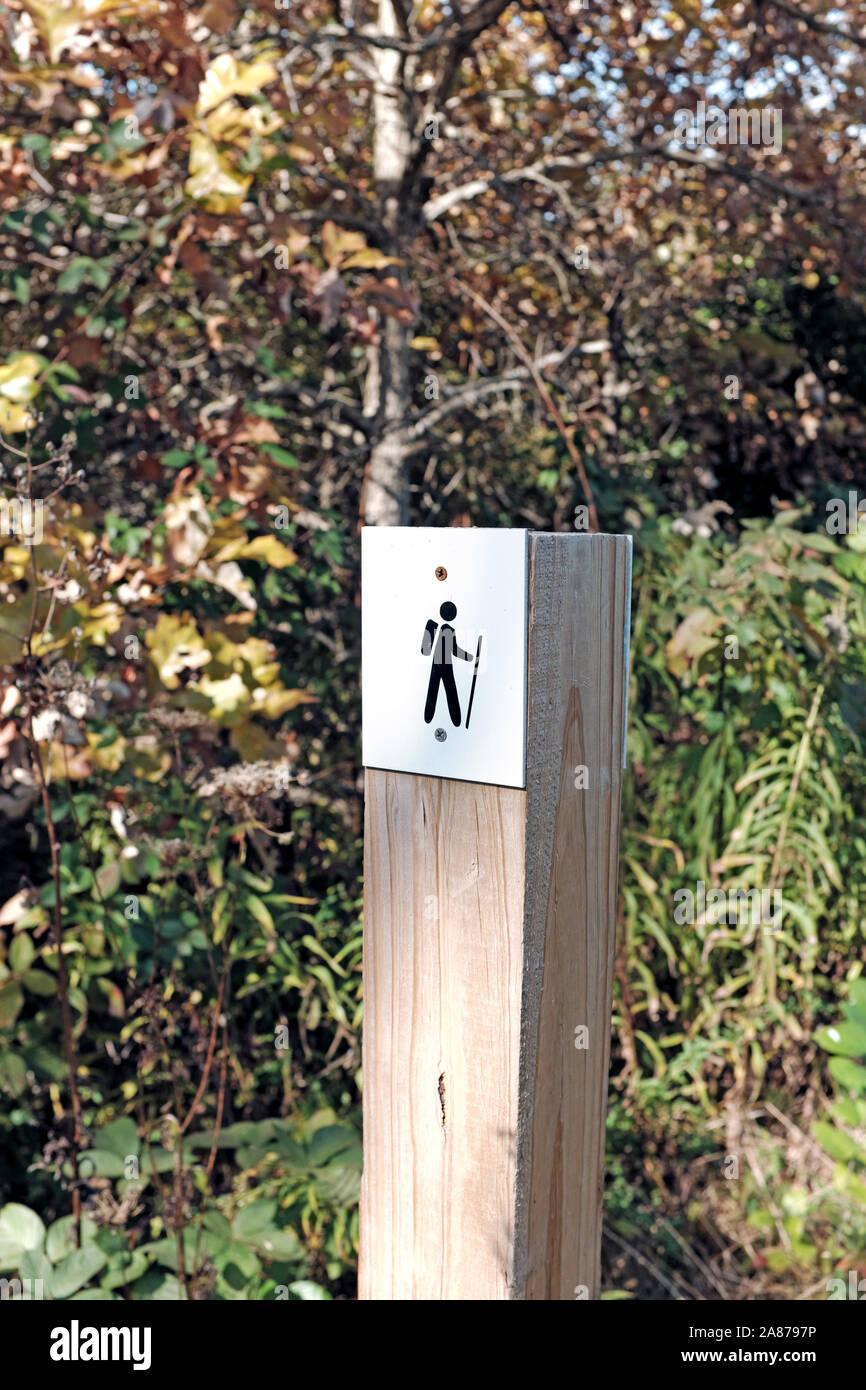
point(441, 572)
point(440, 735)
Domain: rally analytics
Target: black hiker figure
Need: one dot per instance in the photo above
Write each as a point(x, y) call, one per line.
point(443, 669)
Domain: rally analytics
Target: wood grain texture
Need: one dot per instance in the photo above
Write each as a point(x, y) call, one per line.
point(443, 926)
point(580, 595)
point(488, 939)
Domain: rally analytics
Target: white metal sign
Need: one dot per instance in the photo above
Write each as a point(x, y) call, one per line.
point(443, 621)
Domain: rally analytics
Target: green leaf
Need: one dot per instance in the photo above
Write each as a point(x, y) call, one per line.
point(100, 273)
point(97, 1163)
point(252, 1220)
point(856, 1008)
point(39, 982)
point(852, 566)
point(218, 1225)
point(108, 878)
point(164, 1252)
point(77, 1269)
point(13, 1073)
point(836, 1142)
point(280, 456)
point(60, 1239)
point(846, 1112)
point(35, 1264)
point(308, 1291)
point(341, 1186)
point(277, 1244)
point(761, 1220)
point(326, 1143)
point(156, 1160)
point(125, 1269)
point(21, 953)
point(238, 1265)
point(74, 275)
point(154, 1289)
point(258, 1132)
point(258, 910)
point(120, 1137)
point(849, 1039)
point(11, 1000)
point(20, 1226)
point(849, 1074)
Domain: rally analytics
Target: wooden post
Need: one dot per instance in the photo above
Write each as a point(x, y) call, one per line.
point(489, 921)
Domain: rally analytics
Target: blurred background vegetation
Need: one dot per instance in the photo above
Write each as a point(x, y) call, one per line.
point(267, 272)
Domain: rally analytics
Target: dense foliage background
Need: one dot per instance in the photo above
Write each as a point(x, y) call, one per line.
point(270, 270)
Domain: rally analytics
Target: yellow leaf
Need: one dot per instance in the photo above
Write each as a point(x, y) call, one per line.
point(19, 378)
point(268, 674)
point(369, 259)
point(175, 646)
point(227, 124)
point(224, 653)
point(109, 757)
point(273, 703)
point(272, 550)
point(15, 418)
point(229, 698)
point(19, 559)
point(212, 179)
point(267, 548)
point(94, 624)
point(300, 153)
point(60, 21)
point(128, 166)
point(692, 639)
point(337, 243)
point(259, 656)
point(226, 77)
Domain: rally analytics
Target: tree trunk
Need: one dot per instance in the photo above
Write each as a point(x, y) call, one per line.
point(386, 389)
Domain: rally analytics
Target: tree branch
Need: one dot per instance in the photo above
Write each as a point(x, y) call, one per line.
point(818, 26)
point(514, 380)
point(540, 173)
point(535, 173)
point(543, 391)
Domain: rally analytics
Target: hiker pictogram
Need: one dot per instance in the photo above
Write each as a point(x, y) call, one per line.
point(445, 648)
